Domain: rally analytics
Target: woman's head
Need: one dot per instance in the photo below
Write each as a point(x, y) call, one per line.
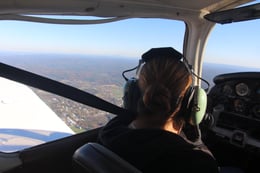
point(163, 82)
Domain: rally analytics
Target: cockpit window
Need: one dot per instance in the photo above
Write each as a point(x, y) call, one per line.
point(88, 57)
point(232, 48)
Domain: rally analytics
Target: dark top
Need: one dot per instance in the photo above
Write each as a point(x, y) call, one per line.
point(155, 150)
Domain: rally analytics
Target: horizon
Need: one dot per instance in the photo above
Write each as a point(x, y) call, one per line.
point(116, 64)
point(95, 56)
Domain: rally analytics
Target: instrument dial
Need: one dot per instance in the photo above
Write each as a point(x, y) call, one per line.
point(239, 106)
point(242, 89)
point(227, 90)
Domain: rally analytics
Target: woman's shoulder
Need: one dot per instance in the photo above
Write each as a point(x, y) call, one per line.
point(183, 162)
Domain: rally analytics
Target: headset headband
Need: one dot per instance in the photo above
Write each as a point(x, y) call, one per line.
point(161, 52)
point(168, 52)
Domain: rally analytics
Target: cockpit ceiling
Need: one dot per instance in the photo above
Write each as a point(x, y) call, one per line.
point(116, 8)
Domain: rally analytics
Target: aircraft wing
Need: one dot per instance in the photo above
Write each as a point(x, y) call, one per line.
point(25, 120)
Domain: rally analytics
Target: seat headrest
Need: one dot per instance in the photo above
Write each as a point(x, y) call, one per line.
point(95, 158)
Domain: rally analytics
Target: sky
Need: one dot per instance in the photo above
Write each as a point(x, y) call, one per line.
point(126, 38)
point(231, 43)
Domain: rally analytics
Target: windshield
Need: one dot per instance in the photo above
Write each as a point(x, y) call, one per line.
point(232, 48)
point(88, 57)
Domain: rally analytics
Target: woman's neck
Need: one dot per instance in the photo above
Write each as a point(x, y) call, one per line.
point(141, 123)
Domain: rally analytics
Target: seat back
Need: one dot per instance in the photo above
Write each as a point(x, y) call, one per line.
point(95, 158)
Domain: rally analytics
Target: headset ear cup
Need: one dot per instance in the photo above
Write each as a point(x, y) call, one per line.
point(197, 106)
point(131, 94)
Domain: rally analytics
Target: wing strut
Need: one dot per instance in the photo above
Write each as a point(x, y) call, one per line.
point(58, 88)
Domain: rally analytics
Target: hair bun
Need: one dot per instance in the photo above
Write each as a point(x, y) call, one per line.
point(157, 98)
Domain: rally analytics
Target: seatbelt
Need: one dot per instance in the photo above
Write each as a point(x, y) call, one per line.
point(58, 88)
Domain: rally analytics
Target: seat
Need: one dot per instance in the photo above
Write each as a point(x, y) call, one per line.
point(95, 158)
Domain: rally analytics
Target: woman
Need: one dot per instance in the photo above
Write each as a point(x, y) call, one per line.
point(153, 140)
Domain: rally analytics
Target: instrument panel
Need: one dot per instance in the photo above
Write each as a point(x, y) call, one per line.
point(234, 107)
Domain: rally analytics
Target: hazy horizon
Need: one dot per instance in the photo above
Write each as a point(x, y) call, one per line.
point(109, 68)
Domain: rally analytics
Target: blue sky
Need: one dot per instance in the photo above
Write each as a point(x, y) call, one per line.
point(236, 43)
point(232, 43)
point(128, 38)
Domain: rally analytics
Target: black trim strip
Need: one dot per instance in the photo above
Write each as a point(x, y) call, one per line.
point(245, 13)
point(234, 76)
point(58, 88)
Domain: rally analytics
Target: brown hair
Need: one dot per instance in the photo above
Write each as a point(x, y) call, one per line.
point(163, 82)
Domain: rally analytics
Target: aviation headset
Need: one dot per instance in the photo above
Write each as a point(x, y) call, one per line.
point(195, 99)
